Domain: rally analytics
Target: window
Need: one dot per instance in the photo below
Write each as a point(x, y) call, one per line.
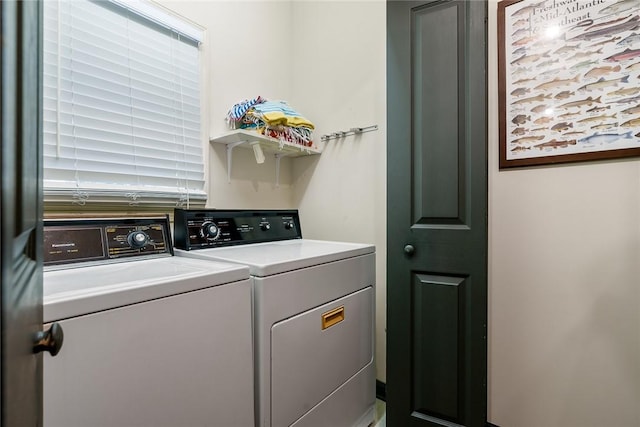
point(121, 105)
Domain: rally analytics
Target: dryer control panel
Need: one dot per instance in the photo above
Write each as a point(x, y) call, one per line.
point(210, 228)
point(74, 240)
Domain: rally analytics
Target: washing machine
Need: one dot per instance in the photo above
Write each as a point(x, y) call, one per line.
point(313, 313)
point(150, 339)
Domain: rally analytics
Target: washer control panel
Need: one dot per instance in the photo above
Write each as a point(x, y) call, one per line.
point(69, 240)
point(210, 228)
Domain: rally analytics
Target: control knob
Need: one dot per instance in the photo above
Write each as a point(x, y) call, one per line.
point(265, 226)
point(209, 230)
point(289, 225)
point(137, 239)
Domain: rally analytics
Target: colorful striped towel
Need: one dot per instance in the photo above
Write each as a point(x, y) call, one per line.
point(237, 112)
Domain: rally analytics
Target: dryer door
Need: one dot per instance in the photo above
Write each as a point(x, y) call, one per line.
point(315, 352)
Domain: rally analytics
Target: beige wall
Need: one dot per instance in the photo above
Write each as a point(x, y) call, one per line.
point(245, 54)
point(339, 80)
point(564, 274)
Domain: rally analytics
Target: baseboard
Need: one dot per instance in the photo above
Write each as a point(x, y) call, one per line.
point(381, 390)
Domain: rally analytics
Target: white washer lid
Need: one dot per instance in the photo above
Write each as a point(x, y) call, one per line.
point(83, 290)
point(266, 259)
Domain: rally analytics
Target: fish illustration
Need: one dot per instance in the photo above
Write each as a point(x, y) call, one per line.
point(520, 91)
point(520, 148)
point(587, 101)
point(527, 139)
point(519, 51)
point(529, 59)
point(520, 119)
point(605, 126)
point(538, 98)
point(606, 24)
point(633, 67)
point(547, 63)
point(597, 109)
point(585, 54)
point(596, 119)
point(567, 115)
point(624, 55)
point(633, 123)
point(552, 84)
point(552, 72)
point(521, 32)
point(525, 40)
point(625, 100)
point(629, 25)
point(543, 120)
point(637, 135)
point(605, 138)
point(519, 131)
point(523, 81)
point(528, 9)
point(555, 144)
point(602, 83)
point(625, 91)
point(602, 71)
point(521, 23)
point(539, 129)
point(618, 7)
point(566, 49)
point(520, 71)
point(539, 109)
point(564, 94)
point(562, 126)
point(583, 64)
point(607, 41)
point(631, 110)
point(582, 24)
point(630, 40)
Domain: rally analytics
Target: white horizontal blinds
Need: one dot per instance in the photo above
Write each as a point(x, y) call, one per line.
point(122, 108)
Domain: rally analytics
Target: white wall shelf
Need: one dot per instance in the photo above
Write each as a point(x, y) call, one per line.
point(247, 138)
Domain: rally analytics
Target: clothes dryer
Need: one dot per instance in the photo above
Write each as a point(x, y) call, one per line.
point(149, 339)
point(313, 315)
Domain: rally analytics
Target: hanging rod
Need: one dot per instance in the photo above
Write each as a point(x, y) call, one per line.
point(352, 131)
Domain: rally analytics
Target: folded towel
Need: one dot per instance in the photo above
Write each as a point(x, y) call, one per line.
point(237, 112)
point(280, 113)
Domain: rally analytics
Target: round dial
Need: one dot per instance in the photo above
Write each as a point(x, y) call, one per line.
point(209, 230)
point(137, 239)
point(289, 225)
point(265, 226)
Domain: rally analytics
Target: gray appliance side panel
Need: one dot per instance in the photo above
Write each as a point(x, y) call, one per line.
point(308, 362)
point(181, 360)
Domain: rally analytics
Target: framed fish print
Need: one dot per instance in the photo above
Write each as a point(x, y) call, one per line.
point(569, 80)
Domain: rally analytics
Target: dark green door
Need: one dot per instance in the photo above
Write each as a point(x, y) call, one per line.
point(20, 214)
point(437, 213)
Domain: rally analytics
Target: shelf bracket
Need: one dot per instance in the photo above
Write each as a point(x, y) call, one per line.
point(278, 156)
point(230, 148)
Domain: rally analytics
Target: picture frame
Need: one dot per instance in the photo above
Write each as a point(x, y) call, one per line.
point(568, 81)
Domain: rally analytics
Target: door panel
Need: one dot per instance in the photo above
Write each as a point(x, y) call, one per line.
point(437, 213)
point(20, 213)
point(437, 311)
point(435, 147)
